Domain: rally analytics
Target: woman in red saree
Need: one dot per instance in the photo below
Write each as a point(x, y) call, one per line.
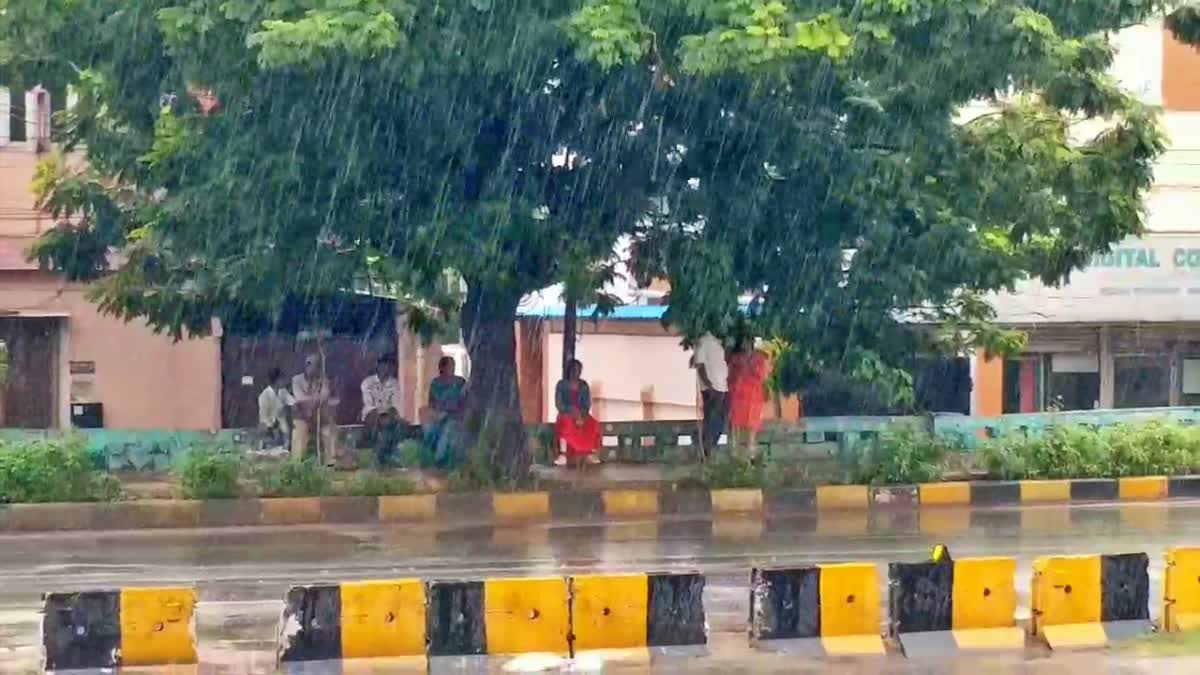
point(748, 372)
point(577, 432)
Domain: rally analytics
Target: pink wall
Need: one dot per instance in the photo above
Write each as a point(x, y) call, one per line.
point(144, 380)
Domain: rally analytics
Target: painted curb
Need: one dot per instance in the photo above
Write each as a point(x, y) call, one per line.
point(899, 503)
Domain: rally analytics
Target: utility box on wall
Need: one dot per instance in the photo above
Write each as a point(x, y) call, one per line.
point(87, 415)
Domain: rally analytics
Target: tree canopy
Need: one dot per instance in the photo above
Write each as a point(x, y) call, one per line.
point(811, 152)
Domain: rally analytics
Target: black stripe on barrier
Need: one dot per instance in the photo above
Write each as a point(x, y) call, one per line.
point(1094, 490)
point(989, 493)
point(920, 597)
point(675, 610)
point(311, 628)
point(673, 502)
point(454, 618)
point(82, 630)
point(1124, 587)
point(576, 505)
point(1183, 486)
point(785, 603)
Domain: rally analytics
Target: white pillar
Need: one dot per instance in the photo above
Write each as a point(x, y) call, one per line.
point(5, 107)
point(1108, 369)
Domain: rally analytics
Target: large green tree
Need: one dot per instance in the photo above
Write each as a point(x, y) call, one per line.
point(809, 151)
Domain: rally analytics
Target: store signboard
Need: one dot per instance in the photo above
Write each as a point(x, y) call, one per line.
point(1155, 278)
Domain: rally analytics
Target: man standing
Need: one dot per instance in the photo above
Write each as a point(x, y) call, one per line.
point(381, 409)
point(713, 373)
point(314, 406)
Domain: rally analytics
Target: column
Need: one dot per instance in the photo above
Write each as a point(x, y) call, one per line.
point(987, 385)
point(1108, 370)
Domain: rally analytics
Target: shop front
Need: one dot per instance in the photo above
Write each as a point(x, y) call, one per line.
point(1123, 332)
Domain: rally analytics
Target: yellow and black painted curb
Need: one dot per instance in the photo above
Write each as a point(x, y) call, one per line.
point(947, 605)
point(561, 615)
point(846, 505)
point(1089, 600)
point(126, 627)
point(821, 610)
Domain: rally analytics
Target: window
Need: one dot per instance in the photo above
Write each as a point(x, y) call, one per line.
point(1074, 382)
point(1143, 381)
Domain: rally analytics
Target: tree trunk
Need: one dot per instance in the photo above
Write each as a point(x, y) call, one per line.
point(493, 411)
point(570, 321)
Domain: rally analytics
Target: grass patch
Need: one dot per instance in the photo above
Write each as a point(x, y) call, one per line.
point(1162, 645)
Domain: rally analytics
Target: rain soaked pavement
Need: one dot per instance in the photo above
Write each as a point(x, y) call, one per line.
point(241, 574)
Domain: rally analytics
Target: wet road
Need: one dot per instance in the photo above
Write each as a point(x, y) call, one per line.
point(241, 574)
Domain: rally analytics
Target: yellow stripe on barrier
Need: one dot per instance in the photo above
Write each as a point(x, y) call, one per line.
point(842, 497)
point(1181, 590)
point(944, 494)
point(630, 502)
point(1146, 488)
point(383, 618)
point(518, 506)
point(984, 594)
point(609, 611)
point(526, 615)
point(1066, 590)
point(1033, 491)
point(407, 508)
point(1075, 635)
point(849, 595)
point(157, 626)
point(749, 500)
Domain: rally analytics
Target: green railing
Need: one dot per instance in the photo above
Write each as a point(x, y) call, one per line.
point(657, 441)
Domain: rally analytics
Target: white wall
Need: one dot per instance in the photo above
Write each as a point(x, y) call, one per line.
point(621, 366)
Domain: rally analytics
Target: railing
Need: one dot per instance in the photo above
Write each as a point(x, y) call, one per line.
point(673, 441)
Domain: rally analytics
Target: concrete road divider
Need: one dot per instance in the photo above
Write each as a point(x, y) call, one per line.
point(945, 605)
point(126, 627)
point(1086, 601)
point(553, 615)
point(1181, 590)
point(819, 610)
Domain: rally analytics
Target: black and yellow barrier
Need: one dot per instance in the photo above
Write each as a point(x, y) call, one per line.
point(365, 619)
point(1086, 601)
point(127, 627)
point(1181, 590)
point(418, 619)
point(822, 609)
point(948, 605)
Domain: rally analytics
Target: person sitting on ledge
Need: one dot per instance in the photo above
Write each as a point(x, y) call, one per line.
point(577, 432)
point(447, 399)
point(381, 410)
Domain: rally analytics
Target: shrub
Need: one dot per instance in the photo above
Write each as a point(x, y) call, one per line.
point(1152, 449)
point(210, 473)
point(726, 471)
point(410, 453)
point(1004, 458)
point(903, 454)
point(53, 470)
point(374, 484)
point(296, 479)
point(1148, 449)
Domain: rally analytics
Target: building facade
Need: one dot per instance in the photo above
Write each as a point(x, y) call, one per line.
point(1124, 332)
point(64, 353)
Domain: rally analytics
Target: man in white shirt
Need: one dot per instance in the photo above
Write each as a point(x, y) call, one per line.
point(381, 409)
point(713, 373)
point(316, 406)
point(273, 404)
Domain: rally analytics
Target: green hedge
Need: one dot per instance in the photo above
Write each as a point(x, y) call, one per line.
point(53, 470)
point(1148, 449)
